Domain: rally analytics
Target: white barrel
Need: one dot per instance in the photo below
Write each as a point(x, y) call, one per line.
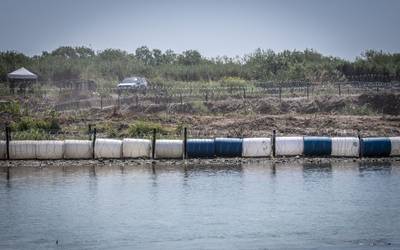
point(169, 149)
point(108, 148)
point(395, 143)
point(22, 150)
point(3, 150)
point(289, 146)
point(49, 149)
point(345, 146)
point(136, 148)
point(256, 147)
point(78, 149)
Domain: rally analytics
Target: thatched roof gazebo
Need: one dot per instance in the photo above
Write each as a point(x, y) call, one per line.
point(21, 78)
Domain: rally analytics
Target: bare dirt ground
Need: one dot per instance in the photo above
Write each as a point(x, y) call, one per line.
point(372, 114)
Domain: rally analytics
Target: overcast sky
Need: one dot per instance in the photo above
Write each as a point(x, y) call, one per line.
point(341, 28)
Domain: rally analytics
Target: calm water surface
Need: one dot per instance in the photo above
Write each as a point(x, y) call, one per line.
point(232, 207)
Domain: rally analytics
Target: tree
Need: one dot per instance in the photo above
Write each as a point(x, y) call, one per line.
point(190, 57)
point(144, 54)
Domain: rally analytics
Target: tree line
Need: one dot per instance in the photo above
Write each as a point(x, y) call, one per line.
point(111, 65)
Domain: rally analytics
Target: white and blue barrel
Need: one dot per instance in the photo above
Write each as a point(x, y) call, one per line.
point(23, 150)
point(228, 147)
point(395, 146)
point(136, 148)
point(50, 150)
point(317, 146)
point(256, 147)
point(108, 148)
point(169, 149)
point(289, 145)
point(376, 147)
point(78, 149)
point(3, 150)
point(200, 148)
point(345, 146)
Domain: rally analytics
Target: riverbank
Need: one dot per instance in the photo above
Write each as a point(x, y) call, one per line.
point(191, 162)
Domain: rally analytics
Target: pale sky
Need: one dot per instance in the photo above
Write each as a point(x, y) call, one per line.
point(341, 28)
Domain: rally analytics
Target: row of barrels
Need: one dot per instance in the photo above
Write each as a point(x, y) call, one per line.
point(203, 148)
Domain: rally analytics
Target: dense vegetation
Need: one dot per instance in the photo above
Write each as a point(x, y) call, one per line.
point(111, 65)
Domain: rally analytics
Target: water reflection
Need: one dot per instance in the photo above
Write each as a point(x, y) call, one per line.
point(384, 167)
point(254, 205)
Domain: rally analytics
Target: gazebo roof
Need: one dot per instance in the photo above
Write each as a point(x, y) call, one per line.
point(22, 73)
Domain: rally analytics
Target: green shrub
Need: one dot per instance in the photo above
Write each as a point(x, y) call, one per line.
point(10, 107)
point(29, 123)
point(142, 128)
point(199, 107)
point(234, 82)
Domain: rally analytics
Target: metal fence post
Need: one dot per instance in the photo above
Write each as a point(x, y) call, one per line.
point(153, 143)
point(94, 141)
point(360, 151)
point(184, 143)
point(273, 142)
point(8, 142)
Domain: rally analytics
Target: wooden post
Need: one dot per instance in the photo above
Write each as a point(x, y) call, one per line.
point(244, 93)
point(340, 92)
point(184, 143)
point(94, 141)
point(273, 142)
point(101, 102)
point(153, 144)
point(181, 101)
point(8, 142)
point(280, 93)
point(308, 91)
point(360, 151)
point(137, 99)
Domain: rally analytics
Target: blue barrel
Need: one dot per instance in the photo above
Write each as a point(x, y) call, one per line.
point(200, 148)
point(317, 146)
point(228, 147)
point(376, 147)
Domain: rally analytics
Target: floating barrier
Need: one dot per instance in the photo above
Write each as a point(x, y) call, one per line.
point(317, 146)
point(198, 148)
point(78, 149)
point(49, 150)
point(289, 146)
point(169, 149)
point(395, 145)
point(22, 150)
point(228, 147)
point(203, 148)
point(256, 147)
point(376, 147)
point(345, 146)
point(108, 148)
point(3, 150)
point(136, 148)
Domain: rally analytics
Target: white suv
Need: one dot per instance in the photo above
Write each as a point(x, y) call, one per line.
point(133, 83)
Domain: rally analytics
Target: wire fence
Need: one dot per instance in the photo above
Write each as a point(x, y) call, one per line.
point(179, 96)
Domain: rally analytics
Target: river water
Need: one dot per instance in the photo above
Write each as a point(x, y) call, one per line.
point(244, 206)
